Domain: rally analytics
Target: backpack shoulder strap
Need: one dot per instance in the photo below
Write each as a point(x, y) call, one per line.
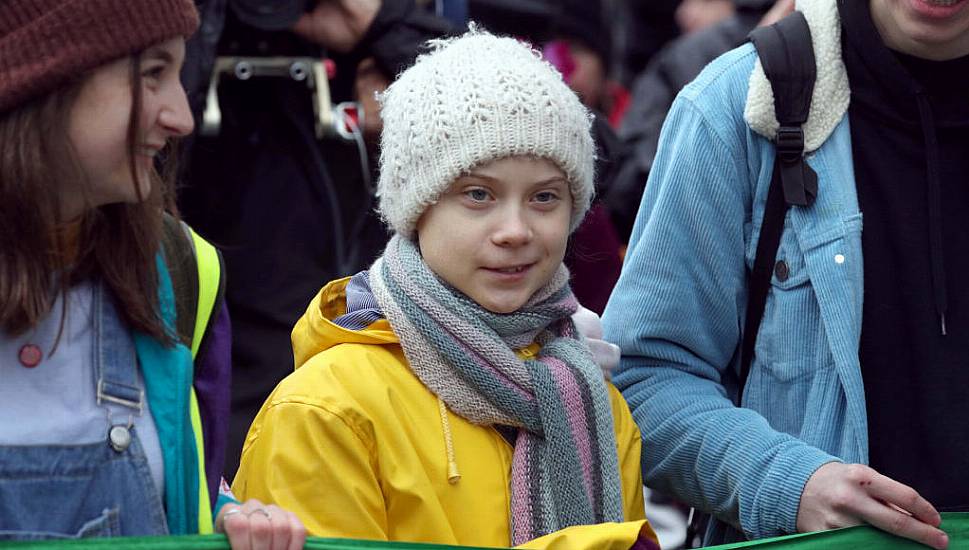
point(211, 288)
point(787, 56)
point(196, 270)
point(179, 256)
point(195, 267)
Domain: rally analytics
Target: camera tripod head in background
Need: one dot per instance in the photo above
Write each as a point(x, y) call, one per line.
point(340, 121)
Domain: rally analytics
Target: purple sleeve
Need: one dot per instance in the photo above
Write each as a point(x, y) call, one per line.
point(213, 383)
point(644, 544)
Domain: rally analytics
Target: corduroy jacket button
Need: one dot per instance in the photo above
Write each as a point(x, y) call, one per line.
point(781, 271)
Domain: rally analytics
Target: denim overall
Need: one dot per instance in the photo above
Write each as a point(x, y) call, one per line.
point(94, 490)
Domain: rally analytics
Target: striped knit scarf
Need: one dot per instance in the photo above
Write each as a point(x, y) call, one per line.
point(564, 469)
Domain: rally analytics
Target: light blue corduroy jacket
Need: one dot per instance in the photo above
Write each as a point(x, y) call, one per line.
point(677, 313)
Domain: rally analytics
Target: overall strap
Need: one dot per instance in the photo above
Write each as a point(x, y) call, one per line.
point(115, 360)
point(787, 56)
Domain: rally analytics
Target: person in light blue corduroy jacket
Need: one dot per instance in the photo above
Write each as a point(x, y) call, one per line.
point(794, 457)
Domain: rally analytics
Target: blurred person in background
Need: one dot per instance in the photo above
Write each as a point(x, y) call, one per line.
point(641, 29)
point(695, 15)
point(654, 90)
point(288, 208)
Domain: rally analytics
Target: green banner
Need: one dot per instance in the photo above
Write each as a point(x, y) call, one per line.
point(852, 538)
point(956, 525)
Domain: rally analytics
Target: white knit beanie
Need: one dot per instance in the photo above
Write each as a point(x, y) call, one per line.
point(471, 100)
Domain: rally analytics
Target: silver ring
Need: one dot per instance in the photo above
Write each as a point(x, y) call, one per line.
point(232, 512)
point(262, 511)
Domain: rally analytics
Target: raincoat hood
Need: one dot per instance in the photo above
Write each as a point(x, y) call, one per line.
point(316, 332)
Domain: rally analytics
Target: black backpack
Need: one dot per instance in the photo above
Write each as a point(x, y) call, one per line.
point(787, 56)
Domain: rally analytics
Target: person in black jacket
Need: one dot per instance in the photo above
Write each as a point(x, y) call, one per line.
point(288, 209)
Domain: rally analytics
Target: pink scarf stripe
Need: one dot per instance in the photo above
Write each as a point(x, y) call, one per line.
point(575, 413)
point(521, 501)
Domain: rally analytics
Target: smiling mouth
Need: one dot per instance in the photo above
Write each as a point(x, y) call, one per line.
point(150, 148)
point(513, 270)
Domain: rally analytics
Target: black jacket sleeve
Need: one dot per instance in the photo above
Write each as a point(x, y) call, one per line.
point(397, 33)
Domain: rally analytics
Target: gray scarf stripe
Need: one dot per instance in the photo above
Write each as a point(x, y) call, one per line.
point(502, 397)
point(570, 499)
point(589, 385)
point(473, 331)
point(422, 356)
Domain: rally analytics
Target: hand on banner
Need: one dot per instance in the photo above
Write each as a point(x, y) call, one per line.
point(257, 526)
point(842, 495)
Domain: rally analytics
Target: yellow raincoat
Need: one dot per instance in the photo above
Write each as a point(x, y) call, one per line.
point(356, 446)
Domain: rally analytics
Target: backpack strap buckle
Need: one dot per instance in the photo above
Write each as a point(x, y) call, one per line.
point(790, 143)
point(799, 180)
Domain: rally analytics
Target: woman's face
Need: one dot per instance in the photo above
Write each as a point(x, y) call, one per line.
point(98, 126)
point(499, 233)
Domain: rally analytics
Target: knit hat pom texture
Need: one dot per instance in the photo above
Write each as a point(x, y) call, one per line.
point(472, 100)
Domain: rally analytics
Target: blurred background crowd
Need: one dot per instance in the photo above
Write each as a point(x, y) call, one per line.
point(280, 173)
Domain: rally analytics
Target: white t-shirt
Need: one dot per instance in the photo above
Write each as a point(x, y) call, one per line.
point(54, 403)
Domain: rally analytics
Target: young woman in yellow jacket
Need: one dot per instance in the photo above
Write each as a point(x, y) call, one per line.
point(444, 395)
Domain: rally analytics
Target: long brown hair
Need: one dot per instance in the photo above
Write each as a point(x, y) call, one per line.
point(116, 243)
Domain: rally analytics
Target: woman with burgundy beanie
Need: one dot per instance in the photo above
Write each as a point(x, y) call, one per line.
point(114, 363)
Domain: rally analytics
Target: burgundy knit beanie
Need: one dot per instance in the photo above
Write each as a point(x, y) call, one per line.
point(45, 43)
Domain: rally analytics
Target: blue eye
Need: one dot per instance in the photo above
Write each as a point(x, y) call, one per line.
point(546, 196)
point(477, 195)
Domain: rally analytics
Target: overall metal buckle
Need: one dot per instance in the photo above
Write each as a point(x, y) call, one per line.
point(137, 405)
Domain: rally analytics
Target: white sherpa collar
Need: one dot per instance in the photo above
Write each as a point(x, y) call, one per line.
point(829, 103)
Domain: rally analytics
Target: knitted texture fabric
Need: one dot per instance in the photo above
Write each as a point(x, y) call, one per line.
point(47, 43)
point(474, 99)
point(565, 470)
